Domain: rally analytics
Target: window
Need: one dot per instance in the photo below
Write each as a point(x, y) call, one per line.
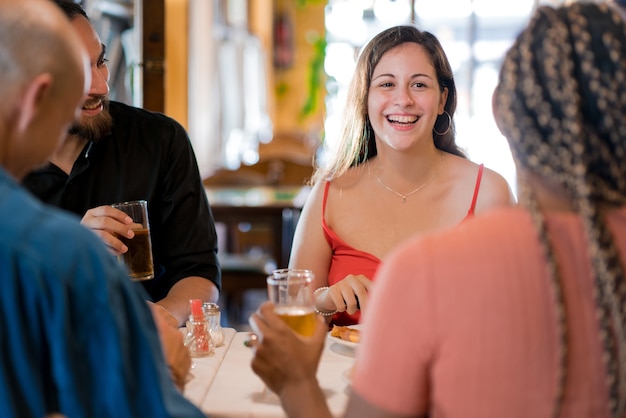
point(475, 35)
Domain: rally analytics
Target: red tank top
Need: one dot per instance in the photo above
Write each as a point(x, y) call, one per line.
point(348, 260)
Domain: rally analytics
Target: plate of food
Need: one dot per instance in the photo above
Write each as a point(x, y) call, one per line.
point(349, 336)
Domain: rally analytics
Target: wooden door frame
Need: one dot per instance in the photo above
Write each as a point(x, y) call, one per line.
point(153, 54)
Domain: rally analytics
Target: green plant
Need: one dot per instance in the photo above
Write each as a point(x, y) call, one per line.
point(316, 74)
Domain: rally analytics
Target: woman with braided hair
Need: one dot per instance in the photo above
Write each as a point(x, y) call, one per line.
point(567, 130)
point(519, 312)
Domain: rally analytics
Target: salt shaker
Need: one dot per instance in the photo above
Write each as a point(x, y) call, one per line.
point(213, 316)
point(200, 341)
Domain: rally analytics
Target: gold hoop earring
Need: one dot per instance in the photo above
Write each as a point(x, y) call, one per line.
point(449, 125)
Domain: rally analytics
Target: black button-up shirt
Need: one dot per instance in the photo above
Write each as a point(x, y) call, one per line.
point(147, 156)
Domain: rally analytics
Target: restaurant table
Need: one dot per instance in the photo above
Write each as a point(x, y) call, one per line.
point(204, 369)
point(233, 390)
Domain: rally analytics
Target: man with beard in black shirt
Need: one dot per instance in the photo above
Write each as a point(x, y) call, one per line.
point(117, 153)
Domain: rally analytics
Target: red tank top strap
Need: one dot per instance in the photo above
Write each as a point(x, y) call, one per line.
point(326, 186)
point(476, 189)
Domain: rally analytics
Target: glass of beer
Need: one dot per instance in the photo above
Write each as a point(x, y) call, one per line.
point(291, 292)
point(138, 258)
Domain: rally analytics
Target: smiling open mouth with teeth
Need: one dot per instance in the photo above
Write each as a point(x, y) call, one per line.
point(92, 104)
point(403, 119)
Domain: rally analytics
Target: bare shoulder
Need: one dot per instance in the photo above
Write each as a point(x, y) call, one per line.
point(351, 186)
point(344, 188)
point(315, 198)
point(351, 178)
point(494, 190)
point(460, 170)
point(349, 199)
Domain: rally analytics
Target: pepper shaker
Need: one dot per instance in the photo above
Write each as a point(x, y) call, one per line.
point(213, 316)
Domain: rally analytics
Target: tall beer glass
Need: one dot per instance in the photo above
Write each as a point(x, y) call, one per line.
point(138, 258)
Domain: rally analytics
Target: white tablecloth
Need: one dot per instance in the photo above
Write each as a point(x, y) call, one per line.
point(204, 369)
point(235, 391)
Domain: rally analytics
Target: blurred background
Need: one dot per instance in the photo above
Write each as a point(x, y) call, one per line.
point(260, 86)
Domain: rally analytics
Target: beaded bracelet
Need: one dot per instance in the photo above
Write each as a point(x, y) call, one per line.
point(317, 311)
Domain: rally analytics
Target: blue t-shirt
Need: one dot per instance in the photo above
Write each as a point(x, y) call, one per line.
point(76, 335)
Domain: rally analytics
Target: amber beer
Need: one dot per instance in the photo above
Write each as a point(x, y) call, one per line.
point(138, 258)
point(290, 291)
point(300, 319)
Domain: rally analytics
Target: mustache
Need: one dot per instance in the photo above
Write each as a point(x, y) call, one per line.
point(93, 101)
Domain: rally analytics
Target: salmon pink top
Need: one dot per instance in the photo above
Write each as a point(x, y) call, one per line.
point(347, 260)
point(463, 323)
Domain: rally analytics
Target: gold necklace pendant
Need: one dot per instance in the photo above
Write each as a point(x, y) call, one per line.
point(402, 196)
point(405, 196)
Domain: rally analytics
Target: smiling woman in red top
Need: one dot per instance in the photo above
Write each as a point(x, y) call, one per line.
point(397, 171)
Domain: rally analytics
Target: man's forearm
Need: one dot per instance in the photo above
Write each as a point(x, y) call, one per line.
point(177, 300)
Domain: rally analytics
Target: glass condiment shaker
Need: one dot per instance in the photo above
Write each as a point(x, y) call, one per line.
point(213, 316)
point(199, 339)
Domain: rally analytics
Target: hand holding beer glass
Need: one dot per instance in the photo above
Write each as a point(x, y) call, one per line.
point(138, 258)
point(291, 292)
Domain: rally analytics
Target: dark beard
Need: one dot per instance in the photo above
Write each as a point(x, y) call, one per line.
point(94, 128)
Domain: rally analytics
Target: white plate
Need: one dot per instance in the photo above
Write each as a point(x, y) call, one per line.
point(347, 375)
point(344, 342)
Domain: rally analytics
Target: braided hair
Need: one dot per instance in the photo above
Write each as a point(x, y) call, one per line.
point(560, 104)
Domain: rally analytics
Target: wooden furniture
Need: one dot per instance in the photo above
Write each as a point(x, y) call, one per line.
point(256, 209)
point(287, 160)
point(255, 231)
